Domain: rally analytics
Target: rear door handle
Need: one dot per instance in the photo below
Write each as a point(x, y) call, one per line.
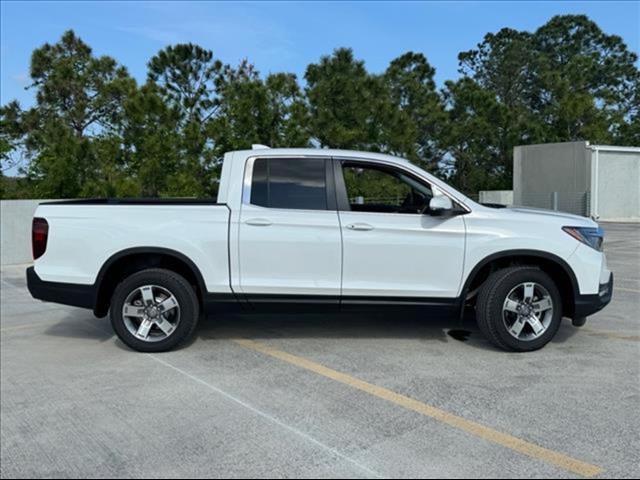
point(258, 222)
point(360, 226)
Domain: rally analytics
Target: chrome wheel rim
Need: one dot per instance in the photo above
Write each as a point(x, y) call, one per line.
point(151, 313)
point(527, 311)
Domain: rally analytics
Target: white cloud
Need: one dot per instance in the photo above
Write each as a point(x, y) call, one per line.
point(22, 79)
point(162, 35)
point(231, 35)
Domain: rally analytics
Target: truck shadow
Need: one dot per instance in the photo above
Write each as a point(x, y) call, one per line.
point(343, 326)
point(80, 325)
point(355, 326)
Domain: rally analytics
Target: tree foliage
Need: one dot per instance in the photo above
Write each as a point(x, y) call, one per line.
point(93, 131)
point(566, 81)
point(415, 114)
point(342, 99)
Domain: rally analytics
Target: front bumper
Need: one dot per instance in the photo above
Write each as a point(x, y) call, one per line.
point(65, 293)
point(586, 305)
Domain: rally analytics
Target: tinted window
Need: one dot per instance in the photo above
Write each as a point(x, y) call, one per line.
point(297, 183)
point(379, 189)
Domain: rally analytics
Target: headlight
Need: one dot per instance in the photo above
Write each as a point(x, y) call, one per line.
point(594, 237)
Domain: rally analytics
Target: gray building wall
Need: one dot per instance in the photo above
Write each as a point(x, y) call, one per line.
point(579, 178)
point(618, 184)
point(540, 170)
point(15, 230)
point(500, 197)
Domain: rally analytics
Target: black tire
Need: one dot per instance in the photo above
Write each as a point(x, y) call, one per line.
point(489, 308)
point(183, 292)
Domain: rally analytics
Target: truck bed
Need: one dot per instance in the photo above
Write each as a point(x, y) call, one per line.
point(85, 234)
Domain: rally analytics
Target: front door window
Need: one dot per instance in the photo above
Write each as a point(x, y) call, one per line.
point(374, 188)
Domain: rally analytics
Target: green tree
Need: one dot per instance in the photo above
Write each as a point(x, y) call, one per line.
point(413, 115)
point(78, 98)
point(242, 118)
point(188, 78)
point(93, 131)
point(503, 63)
point(253, 110)
point(342, 101)
point(503, 68)
point(11, 135)
point(186, 75)
point(151, 138)
point(567, 81)
point(288, 112)
point(472, 137)
point(587, 81)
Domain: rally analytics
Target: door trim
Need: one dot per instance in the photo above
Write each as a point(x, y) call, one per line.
point(288, 302)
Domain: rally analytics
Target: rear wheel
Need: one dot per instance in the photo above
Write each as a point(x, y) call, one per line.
point(519, 309)
point(154, 310)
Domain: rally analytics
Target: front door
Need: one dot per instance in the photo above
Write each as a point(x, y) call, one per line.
point(392, 246)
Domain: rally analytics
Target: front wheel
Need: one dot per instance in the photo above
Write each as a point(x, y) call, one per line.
point(154, 310)
point(519, 309)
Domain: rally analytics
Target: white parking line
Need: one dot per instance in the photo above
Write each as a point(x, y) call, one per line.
point(626, 289)
point(268, 417)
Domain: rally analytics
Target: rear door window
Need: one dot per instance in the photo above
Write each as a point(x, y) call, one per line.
point(292, 183)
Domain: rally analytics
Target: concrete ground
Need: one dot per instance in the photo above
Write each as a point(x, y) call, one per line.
point(321, 396)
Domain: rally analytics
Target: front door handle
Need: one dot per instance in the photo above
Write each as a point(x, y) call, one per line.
point(258, 222)
point(360, 226)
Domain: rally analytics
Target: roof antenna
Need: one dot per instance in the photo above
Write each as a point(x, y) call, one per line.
point(257, 146)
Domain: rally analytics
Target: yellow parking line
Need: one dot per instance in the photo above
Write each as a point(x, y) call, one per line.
point(21, 327)
point(610, 335)
point(522, 446)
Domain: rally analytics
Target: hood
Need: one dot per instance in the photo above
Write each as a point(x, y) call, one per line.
point(568, 218)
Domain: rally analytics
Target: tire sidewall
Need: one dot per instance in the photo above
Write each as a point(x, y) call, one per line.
point(175, 284)
point(502, 289)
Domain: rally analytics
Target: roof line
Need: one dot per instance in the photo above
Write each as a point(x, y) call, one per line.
point(614, 148)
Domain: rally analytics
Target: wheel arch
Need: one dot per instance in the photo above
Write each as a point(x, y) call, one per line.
point(553, 265)
point(131, 260)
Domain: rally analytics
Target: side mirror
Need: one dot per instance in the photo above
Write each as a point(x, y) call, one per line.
point(440, 205)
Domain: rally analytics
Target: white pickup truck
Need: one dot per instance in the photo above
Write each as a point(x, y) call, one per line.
point(308, 228)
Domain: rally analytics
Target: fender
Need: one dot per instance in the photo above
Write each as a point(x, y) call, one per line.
point(520, 253)
point(100, 279)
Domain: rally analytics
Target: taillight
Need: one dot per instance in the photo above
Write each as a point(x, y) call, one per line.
point(39, 234)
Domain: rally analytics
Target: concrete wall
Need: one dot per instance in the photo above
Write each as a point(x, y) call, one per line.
point(576, 177)
point(540, 170)
point(15, 230)
point(501, 197)
point(618, 185)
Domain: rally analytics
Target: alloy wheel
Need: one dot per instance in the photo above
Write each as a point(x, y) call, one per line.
point(151, 313)
point(527, 311)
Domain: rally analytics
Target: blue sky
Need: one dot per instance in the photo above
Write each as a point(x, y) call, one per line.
point(281, 36)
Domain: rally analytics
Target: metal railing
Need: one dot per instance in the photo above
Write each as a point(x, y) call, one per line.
point(570, 202)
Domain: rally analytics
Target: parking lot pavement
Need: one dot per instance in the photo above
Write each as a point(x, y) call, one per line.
point(321, 396)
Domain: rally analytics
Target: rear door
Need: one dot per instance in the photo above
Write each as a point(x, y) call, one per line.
point(289, 232)
point(393, 246)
